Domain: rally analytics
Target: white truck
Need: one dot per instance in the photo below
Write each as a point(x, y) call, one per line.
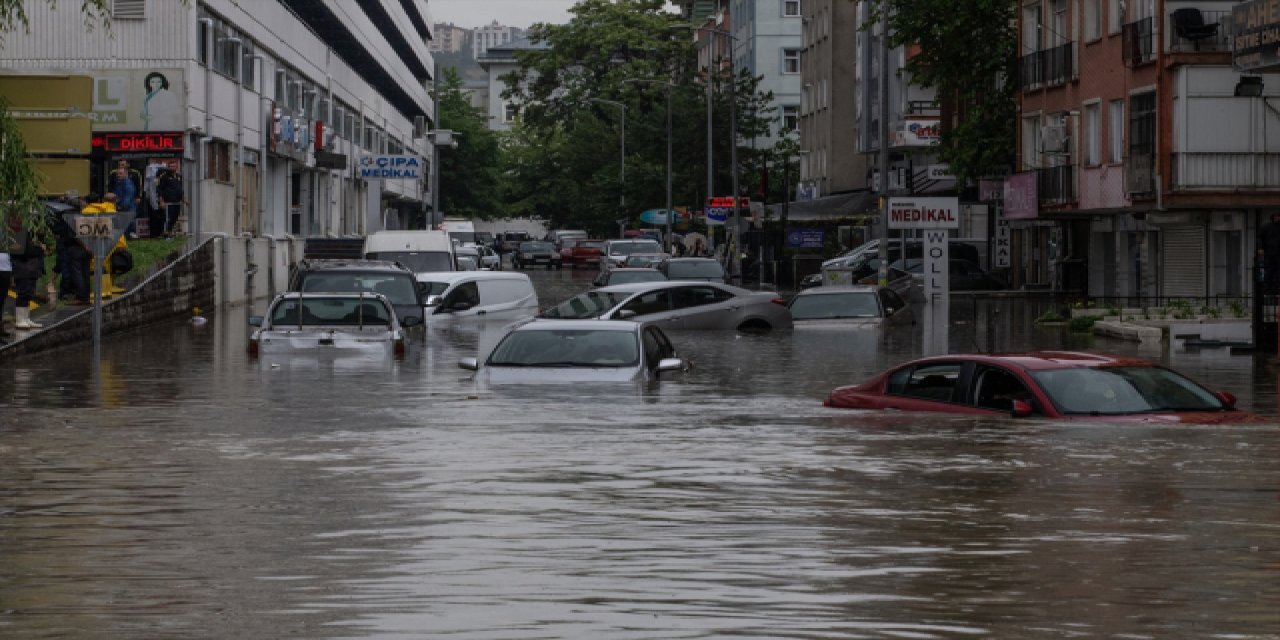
point(422, 251)
point(462, 231)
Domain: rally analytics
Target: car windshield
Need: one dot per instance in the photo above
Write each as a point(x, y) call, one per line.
point(311, 312)
point(1119, 390)
point(585, 305)
point(433, 288)
point(528, 247)
point(694, 269)
point(590, 244)
point(464, 237)
point(624, 277)
point(399, 288)
point(860, 304)
point(567, 348)
point(416, 261)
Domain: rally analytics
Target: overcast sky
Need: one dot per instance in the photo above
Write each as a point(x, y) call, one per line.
point(511, 13)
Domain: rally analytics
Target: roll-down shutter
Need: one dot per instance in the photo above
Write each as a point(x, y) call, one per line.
point(1184, 270)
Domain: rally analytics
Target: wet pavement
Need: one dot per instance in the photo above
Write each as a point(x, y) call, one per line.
point(178, 488)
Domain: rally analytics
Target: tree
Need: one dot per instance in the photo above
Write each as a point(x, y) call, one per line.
point(469, 184)
point(974, 83)
point(19, 184)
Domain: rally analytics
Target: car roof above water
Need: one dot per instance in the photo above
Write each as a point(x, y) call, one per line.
point(547, 324)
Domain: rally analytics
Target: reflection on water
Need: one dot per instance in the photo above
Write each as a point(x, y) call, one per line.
point(180, 488)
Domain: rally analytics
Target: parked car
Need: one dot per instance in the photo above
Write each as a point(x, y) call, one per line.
point(857, 305)
point(679, 305)
point(390, 279)
point(616, 251)
point(467, 257)
point(484, 294)
point(489, 259)
point(558, 236)
point(644, 259)
point(1050, 384)
point(962, 275)
point(329, 325)
point(536, 253)
point(627, 275)
point(576, 352)
point(581, 252)
point(705, 269)
point(510, 240)
point(865, 271)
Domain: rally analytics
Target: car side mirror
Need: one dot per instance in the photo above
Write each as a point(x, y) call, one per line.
point(1227, 398)
point(411, 321)
point(255, 321)
point(470, 364)
point(671, 364)
point(1021, 409)
point(433, 300)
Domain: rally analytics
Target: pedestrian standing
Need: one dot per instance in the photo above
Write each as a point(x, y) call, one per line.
point(151, 197)
point(172, 196)
point(126, 184)
point(1269, 253)
point(27, 256)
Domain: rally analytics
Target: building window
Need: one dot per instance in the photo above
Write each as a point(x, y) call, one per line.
point(791, 8)
point(510, 112)
point(1031, 142)
point(1115, 15)
point(1117, 130)
point(1093, 135)
point(791, 61)
point(1142, 124)
point(1092, 19)
point(790, 117)
point(218, 164)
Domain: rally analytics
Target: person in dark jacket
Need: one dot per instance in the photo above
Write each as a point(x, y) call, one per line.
point(172, 194)
point(27, 255)
point(6, 277)
point(1269, 253)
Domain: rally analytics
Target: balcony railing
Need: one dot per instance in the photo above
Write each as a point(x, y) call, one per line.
point(1047, 67)
point(1056, 185)
point(1219, 42)
point(1138, 42)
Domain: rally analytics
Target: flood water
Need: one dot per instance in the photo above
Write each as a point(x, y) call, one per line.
point(179, 489)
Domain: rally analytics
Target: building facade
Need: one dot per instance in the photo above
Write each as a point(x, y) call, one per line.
point(769, 33)
point(448, 38)
point(831, 161)
point(1136, 153)
point(492, 35)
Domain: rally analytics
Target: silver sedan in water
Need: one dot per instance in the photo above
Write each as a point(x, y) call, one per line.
point(679, 305)
point(583, 351)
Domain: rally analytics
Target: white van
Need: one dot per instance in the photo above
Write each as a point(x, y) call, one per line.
point(491, 295)
point(420, 251)
point(461, 230)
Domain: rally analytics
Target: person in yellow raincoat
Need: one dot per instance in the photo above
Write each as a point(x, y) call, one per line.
point(106, 205)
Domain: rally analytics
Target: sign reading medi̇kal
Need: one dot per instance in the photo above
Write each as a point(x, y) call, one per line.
point(924, 213)
point(390, 167)
point(1255, 35)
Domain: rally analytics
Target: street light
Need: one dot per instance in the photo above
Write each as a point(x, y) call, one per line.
point(622, 161)
point(438, 137)
point(669, 86)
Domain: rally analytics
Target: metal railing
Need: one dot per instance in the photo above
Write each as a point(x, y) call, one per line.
point(1047, 67)
point(1219, 42)
point(1056, 185)
point(1138, 42)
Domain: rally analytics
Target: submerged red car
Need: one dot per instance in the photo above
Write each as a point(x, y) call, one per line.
point(1050, 384)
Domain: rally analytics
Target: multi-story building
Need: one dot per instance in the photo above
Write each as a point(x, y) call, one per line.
point(769, 33)
point(831, 160)
point(498, 62)
point(269, 105)
point(492, 35)
point(447, 38)
point(1137, 154)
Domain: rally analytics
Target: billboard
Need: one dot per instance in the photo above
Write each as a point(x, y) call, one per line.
point(1255, 35)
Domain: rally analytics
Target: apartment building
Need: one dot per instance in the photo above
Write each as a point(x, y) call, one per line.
point(769, 32)
point(269, 105)
point(831, 161)
point(1141, 152)
point(448, 38)
point(492, 35)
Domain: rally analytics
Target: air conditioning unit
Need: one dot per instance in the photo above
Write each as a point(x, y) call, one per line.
point(1054, 139)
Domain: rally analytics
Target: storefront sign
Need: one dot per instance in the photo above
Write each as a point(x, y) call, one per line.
point(991, 190)
point(143, 142)
point(1255, 35)
point(390, 167)
point(805, 238)
point(918, 133)
point(1004, 247)
point(1020, 201)
point(924, 213)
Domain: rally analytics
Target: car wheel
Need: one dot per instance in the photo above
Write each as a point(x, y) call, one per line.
point(755, 326)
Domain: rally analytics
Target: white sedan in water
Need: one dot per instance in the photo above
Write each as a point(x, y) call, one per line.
point(575, 352)
point(679, 305)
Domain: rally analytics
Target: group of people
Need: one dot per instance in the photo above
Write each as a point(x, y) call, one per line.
point(156, 197)
point(21, 265)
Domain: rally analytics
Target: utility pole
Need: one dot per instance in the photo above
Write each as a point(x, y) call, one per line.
point(883, 274)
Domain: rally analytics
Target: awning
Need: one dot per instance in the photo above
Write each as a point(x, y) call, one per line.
point(843, 205)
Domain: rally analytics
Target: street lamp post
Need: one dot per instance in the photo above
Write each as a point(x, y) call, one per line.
point(736, 264)
point(669, 86)
point(438, 137)
point(622, 160)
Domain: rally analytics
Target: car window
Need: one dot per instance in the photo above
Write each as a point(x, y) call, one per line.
point(399, 288)
point(566, 348)
point(1113, 390)
point(651, 302)
point(416, 261)
point(996, 388)
point(686, 297)
point(624, 277)
point(466, 292)
point(329, 312)
point(680, 269)
point(934, 381)
point(853, 304)
point(585, 305)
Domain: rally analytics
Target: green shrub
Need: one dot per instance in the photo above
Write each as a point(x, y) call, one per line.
point(1050, 316)
point(1082, 324)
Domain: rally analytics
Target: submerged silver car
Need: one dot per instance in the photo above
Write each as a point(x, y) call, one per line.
point(679, 305)
point(849, 306)
point(578, 352)
point(330, 325)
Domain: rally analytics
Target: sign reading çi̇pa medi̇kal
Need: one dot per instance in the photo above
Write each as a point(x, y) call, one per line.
point(390, 167)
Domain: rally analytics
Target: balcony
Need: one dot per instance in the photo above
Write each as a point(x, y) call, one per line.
point(1138, 42)
point(1140, 173)
point(1048, 67)
point(1219, 41)
point(1056, 185)
point(1235, 171)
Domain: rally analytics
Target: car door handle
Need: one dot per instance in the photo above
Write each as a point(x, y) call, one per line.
point(480, 313)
